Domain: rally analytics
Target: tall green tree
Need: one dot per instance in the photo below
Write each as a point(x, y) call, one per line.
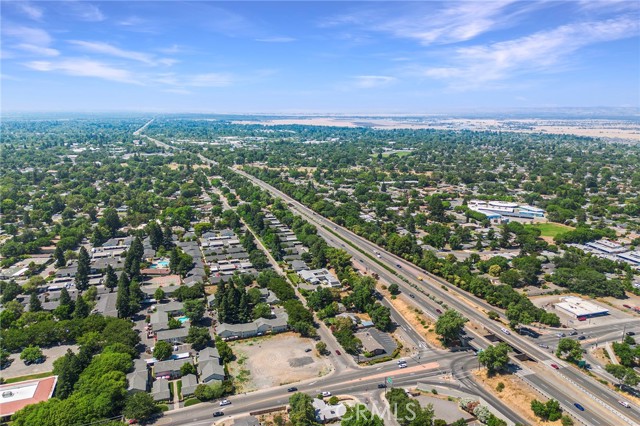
point(34, 303)
point(84, 268)
point(111, 279)
point(449, 325)
point(302, 412)
point(140, 406)
point(495, 357)
point(68, 369)
point(111, 221)
point(123, 303)
point(156, 237)
point(58, 255)
point(82, 308)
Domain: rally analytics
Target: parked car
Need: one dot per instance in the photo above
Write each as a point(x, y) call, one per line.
point(218, 414)
point(555, 366)
point(292, 389)
point(578, 406)
point(561, 335)
point(325, 393)
point(573, 333)
point(225, 402)
point(308, 350)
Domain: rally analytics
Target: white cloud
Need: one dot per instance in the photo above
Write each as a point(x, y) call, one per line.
point(543, 51)
point(108, 49)
point(37, 50)
point(276, 39)
point(28, 35)
point(370, 81)
point(85, 11)
point(430, 24)
point(84, 68)
point(30, 10)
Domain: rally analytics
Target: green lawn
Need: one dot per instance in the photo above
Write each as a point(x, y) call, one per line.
point(551, 229)
point(29, 377)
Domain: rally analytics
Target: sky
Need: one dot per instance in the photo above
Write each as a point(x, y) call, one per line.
point(318, 57)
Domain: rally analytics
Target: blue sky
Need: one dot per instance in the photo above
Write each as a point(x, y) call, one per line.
point(325, 57)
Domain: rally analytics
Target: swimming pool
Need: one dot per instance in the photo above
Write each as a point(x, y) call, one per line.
point(160, 264)
point(183, 319)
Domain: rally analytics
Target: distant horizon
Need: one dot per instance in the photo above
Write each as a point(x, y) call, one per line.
point(359, 57)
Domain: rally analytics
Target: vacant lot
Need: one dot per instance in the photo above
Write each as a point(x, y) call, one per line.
point(267, 361)
point(551, 229)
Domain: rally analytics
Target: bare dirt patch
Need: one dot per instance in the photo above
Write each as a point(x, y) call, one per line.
point(422, 323)
point(268, 361)
point(516, 394)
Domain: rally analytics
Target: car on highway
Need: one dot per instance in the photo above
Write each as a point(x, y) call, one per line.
point(381, 385)
point(325, 393)
point(292, 389)
point(573, 333)
point(581, 337)
point(411, 296)
point(338, 352)
point(560, 334)
point(402, 365)
point(438, 311)
point(624, 404)
point(542, 345)
point(578, 406)
point(378, 255)
point(225, 402)
point(555, 366)
point(505, 331)
point(218, 414)
point(419, 277)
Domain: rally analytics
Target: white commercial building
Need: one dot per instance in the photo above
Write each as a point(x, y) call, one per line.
point(580, 308)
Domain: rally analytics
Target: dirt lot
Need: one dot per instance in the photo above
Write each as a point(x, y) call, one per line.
point(414, 316)
point(267, 361)
point(516, 394)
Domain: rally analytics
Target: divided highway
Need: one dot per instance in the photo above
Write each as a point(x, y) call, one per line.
point(577, 388)
point(601, 402)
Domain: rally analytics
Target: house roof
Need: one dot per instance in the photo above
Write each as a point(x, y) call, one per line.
point(209, 368)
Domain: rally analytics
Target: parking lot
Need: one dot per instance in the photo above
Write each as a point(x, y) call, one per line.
point(18, 368)
point(547, 303)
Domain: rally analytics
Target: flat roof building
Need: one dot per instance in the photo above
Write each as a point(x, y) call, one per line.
point(16, 396)
point(580, 308)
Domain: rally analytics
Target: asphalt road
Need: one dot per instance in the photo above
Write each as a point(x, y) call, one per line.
point(466, 304)
point(358, 246)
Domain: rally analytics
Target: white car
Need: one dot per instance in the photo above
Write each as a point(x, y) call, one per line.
point(624, 404)
point(505, 331)
point(402, 365)
point(325, 393)
point(225, 402)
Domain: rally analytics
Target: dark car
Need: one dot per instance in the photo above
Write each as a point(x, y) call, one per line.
point(573, 333)
point(338, 352)
point(631, 333)
point(218, 414)
point(398, 265)
point(381, 386)
point(411, 296)
point(308, 350)
point(438, 311)
point(292, 389)
point(578, 406)
point(581, 337)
